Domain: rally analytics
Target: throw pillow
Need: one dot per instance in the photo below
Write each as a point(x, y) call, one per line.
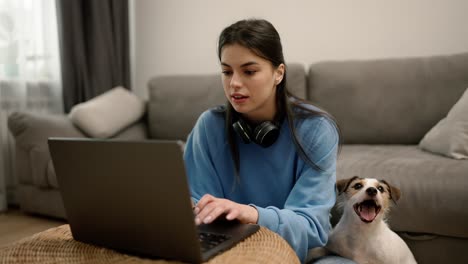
point(105, 115)
point(450, 136)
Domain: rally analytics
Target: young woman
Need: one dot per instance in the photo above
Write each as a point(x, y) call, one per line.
point(266, 157)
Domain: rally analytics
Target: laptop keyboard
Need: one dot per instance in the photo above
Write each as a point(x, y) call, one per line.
point(211, 240)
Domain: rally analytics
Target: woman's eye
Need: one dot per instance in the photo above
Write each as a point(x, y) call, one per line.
point(227, 72)
point(380, 188)
point(357, 186)
point(250, 72)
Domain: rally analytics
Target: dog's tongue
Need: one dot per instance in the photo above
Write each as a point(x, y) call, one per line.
point(368, 212)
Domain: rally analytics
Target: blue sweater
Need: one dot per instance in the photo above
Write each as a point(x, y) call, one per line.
point(293, 199)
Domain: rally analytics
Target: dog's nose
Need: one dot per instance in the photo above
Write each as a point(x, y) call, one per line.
point(371, 191)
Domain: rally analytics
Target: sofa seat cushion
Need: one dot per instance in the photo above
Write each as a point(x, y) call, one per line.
point(434, 188)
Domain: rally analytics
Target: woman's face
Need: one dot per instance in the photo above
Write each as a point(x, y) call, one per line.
point(249, 82)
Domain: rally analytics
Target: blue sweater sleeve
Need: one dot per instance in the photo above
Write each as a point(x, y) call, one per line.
point(304, 221)
point(199, 158)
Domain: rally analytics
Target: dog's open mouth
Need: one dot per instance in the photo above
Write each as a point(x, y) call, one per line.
point(367, 210)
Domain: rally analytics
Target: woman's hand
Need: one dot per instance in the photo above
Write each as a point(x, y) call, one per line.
point(209, 208)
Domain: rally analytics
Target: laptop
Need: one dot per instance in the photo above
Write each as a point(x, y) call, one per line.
point(133, 196)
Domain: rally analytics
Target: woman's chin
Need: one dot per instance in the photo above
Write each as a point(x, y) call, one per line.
point(242, 109)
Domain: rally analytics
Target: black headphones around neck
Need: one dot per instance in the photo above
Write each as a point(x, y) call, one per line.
point(264, 134)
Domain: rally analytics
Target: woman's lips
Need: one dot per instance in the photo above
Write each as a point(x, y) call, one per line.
point(239, 99)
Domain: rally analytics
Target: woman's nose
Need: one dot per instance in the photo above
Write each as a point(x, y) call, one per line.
point(235, 81)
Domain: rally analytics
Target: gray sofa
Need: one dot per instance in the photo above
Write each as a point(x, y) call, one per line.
point(384, 108)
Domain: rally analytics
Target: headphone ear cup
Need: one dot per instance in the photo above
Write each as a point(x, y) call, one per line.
point(243, 130)
point(265, 134)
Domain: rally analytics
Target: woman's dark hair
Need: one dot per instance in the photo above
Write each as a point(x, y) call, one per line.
point(261, 37)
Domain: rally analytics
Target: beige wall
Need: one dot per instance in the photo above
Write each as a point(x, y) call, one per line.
point(179, 36)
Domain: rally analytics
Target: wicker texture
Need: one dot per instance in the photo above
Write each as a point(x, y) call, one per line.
point(56, 245)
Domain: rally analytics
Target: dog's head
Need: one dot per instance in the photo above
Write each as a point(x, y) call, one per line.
point(368, 198)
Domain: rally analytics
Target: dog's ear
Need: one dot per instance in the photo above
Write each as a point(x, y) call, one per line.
point(394, 192)
point(342, 185)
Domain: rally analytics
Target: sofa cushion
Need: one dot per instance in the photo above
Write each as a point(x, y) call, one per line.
point(450, 136)
point(176, 102)
point(388, 101)
point(434, 188)
point(107, 114)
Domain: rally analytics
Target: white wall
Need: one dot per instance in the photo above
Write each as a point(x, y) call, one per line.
point(179, 36)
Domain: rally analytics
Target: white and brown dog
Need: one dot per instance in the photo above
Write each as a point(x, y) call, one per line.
point(362, 233)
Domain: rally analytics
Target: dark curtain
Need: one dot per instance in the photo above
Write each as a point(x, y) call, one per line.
point(94, 47)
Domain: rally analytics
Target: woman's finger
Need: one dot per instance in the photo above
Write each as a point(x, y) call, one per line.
point(207, 209)
point(232, 214)
point(214, 214)
point(210, 209)
point(213, 210)
point(207, 198)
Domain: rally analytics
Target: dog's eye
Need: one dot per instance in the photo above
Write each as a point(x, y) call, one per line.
point(381, 189)
point(357, 186)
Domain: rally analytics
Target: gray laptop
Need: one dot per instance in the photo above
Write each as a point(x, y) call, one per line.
point(133, 196)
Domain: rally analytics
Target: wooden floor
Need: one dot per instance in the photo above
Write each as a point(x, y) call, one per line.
point(15, 225)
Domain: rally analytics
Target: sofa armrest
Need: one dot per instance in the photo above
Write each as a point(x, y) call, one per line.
point(31, 132)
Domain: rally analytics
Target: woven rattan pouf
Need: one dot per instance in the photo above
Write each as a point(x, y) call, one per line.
point(56, 245)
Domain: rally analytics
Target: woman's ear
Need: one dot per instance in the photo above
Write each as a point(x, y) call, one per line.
point(279, 73)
